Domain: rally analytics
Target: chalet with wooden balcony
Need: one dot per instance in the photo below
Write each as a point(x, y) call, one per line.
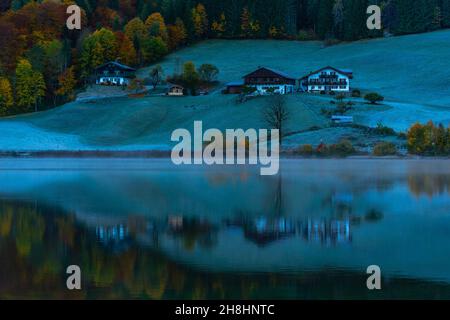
point(327, 80)
point(114, 73)
point(265, 81)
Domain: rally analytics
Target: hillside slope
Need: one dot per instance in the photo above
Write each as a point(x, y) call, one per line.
point(413, 72)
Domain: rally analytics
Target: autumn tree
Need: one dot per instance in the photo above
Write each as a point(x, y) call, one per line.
point(97, 49)
point(153, 49)
point(6, 97)
point(11, 44)
point(66, 83)
point(137, 32)
point(126, 51)
point(30, 85)
point(177, 34)
point(200, 20)
point(429, 139)
point(219, 26)
point(249, 26)
point(157, 26)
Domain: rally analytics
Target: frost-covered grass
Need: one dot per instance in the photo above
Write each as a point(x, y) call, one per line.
point(412, 72)
point(140, 123)
point(414, 68)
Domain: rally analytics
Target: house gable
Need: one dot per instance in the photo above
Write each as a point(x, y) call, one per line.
point(264, 75)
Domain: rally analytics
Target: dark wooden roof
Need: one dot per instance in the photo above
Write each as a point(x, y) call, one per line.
point(264, 72)
point(114, 65)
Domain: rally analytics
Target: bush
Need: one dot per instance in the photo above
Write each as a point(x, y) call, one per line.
point(306, 150)
point(306, 35)
point(385, 149)
point(342, 108)
point(342, 149)
point(382, 130)
point(373, 97)
point(356, 93)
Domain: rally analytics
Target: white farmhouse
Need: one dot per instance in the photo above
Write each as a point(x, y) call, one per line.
point(327, 79)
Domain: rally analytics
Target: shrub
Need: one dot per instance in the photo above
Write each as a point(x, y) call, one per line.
point(342, 149)
point(385, 149)
point(373, 97)
point(306, 150)
point(340, 97)
point(246, 90)
point(342, 108)
point(382, 130)
point(306, 35)
point(356, 93)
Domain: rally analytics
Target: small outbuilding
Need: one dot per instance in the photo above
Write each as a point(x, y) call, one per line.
point(234, 87)
point(175, 90)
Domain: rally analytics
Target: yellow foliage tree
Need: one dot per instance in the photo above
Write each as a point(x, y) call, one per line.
point(67, 83)
point(156, 26)
point(126, 51)
point(6, 97)
point(200, 19)
point(218, 27)
point(177, 34)
point(30, 85)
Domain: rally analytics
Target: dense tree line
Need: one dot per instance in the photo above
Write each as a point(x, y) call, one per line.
point(42, 62)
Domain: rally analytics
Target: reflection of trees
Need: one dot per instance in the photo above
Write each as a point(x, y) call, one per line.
point(139, 272)
point(193, 231)
point(429, 184)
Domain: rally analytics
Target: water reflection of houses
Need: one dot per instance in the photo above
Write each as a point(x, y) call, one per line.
point(111, 233)
point(195, 231)
point(326, 232)
point(264, 231)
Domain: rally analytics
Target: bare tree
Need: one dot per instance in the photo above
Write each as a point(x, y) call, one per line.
point(156, 75)
point(276, 114)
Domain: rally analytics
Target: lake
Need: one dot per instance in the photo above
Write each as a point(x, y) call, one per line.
point(146, 229)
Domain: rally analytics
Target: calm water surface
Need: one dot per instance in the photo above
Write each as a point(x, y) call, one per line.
point(147, 229)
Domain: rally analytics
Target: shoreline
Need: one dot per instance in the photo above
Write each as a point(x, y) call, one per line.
point(161, 154)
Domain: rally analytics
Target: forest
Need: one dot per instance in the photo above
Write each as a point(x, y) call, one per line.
point(43, 64)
